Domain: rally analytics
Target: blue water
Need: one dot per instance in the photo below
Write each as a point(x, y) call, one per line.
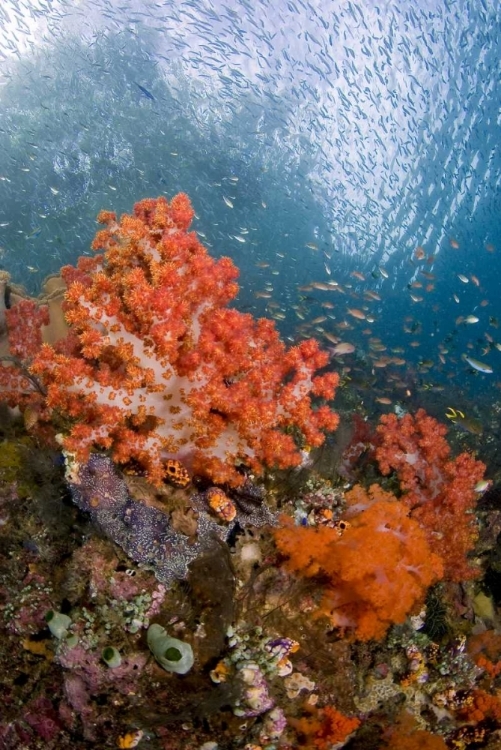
point(315, 139)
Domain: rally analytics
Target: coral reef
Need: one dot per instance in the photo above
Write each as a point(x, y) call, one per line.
point(188, 572)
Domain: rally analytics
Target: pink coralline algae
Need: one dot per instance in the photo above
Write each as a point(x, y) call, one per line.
point(42, 717)
point(86, 676)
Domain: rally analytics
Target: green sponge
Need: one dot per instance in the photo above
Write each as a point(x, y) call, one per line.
point(171, 654)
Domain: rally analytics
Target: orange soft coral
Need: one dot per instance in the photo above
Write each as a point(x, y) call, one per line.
point(326, 728)
point(482, 705)
point(440, 491)
point(404, 735)
point(375, 573)
point(485, 650)
point(158, 367)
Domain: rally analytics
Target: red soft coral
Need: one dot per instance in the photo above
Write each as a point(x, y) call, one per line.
point(24, 322)
point(440, 491)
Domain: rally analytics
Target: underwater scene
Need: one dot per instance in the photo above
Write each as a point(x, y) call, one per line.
point(250, 374)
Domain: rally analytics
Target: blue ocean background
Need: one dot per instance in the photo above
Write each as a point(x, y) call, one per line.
point(321, 143)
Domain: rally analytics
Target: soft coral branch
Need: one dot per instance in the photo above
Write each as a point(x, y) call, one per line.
point(156, 366)
point(375, 573)
point(439, 490)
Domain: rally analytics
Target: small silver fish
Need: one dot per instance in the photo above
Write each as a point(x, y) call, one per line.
point(479, 366)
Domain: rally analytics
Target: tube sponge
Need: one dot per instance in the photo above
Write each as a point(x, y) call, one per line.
point(58, 623)
point(111, 657)
point(171, 654)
